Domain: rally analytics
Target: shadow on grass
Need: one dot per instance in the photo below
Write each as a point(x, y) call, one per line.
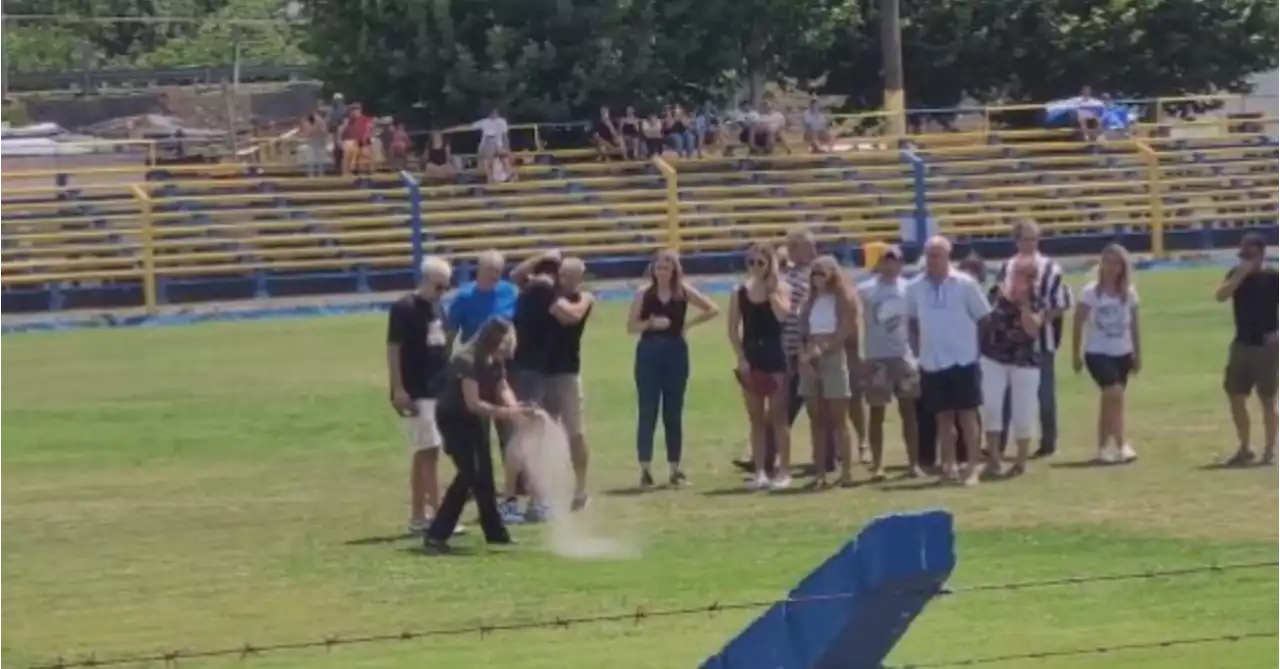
point(632, 491)
point(1088, 464)
point(1227, 466)
point(380, 540)
point(454, 552)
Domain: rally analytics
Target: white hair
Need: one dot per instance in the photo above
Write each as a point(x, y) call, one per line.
point(574, 264)
point(801, 233)
point(436, 267)
point(492, 259)
point(938, 242)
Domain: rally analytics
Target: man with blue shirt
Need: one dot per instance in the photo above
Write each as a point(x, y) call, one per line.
point(477, 301)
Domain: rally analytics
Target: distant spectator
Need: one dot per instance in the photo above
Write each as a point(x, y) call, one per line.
point(632, 143)
point(817, 129)
point(651, 128)
point(313, 144)
point(706, 129)
point(1089, 112)
point(495, 147)
point(337, 118)
point(768, 131)
point(746, 119)
point(399, 147)
point(679, 132)
point(606, 137)
point(357, 137)
point(438, 158)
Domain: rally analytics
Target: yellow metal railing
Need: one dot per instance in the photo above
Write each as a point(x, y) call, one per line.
point(147, 222)
point(673, 201)
point(1155, 199)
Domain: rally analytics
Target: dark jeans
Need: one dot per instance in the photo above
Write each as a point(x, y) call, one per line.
point(927, 422)
point(1048, 409)
point(466, 441)
point(662, 376)
point(794, 404)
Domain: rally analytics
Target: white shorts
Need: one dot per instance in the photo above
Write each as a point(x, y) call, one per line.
point(421, 429)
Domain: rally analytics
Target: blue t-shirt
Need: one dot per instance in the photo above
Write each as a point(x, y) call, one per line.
point(471, 307)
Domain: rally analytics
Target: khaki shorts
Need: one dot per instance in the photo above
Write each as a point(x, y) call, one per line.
point(563, 400)
point(827, 377)
point(883, 380)
point(421, 429)
point(1251, 368)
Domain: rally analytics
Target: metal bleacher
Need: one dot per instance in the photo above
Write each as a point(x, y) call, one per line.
point(216, 232)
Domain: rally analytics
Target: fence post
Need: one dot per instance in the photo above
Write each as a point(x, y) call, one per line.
point(415, 222)
point(673, 202)
point(1155, 197)
point(147, 234)
point(919, 177)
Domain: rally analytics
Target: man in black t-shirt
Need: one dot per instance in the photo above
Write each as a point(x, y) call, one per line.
point(1252, 363)
point(417, 351)
point(563, 387)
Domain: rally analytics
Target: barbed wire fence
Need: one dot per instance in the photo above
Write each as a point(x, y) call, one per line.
point(640, 615)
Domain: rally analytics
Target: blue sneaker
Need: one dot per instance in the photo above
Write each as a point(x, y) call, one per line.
point(510, 510)
point(536, 513)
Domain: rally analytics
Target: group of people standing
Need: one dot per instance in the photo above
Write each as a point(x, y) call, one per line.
point(962, 361)
point(970, 367)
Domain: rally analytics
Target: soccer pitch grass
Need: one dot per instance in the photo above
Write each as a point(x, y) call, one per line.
point(202, 487)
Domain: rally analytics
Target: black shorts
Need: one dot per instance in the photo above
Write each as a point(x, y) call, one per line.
point(1109, 370)
point(957, 388)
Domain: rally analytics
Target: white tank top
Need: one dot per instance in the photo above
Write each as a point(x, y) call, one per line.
point(822, 318)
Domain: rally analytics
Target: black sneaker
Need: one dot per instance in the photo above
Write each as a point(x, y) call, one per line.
point(646, 479)
point(435, 546)
point(1242, 458)
point(678, 479)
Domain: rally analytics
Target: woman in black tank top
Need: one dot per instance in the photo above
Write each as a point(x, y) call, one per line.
point(659, 314)
point(758, 309)
point(438, 160)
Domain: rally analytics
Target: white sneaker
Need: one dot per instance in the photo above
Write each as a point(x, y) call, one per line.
point(1108, 454)
point(419, 526)
point(1127, 454)
point(781, 483)
point(759, 482)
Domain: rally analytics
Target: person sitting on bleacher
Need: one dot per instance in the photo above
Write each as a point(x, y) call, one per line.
point(706, 129)
point(746, 118)
point(768, 131)
point(357, 137)
point(437, 160)
point(629, 126)
point(606, 136)
point(817, 129)
point(651, 128)
point(399, 145)
point(495, 147)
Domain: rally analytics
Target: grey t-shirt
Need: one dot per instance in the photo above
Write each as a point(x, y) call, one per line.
point(884, 309)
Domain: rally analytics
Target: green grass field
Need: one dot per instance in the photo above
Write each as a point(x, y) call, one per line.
point(202, 487)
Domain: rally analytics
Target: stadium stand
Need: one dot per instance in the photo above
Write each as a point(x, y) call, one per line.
point(184, 234)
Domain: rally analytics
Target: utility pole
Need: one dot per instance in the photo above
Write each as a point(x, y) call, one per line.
point(891, 54)
point(4, 54)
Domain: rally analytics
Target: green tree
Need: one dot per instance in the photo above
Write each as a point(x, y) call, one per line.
point(1037, 50)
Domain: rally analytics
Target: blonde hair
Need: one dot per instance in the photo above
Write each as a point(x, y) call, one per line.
point(1018, 268)
point(492, 259)
point(1124, 282)
point(837, 284)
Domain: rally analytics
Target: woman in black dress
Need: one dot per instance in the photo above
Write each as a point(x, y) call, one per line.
point(606, 136)
point(757, 311)
point(473, 391)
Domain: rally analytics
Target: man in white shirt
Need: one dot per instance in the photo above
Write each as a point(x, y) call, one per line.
point(945, 307)
point(746, 118)
point(495, 147)
point(769, 129)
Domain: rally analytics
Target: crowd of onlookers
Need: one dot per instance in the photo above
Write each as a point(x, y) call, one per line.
point(704, 130)
point(343, 139)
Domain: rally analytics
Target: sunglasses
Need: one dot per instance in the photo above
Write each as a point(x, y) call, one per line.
point(756, 262)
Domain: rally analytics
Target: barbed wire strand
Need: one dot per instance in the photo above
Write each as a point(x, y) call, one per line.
point(1095, 650)
point(640, 615)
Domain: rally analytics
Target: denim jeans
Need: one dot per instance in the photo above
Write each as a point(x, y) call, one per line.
point(682, 142)
point(1048, 409)
point(662, 375)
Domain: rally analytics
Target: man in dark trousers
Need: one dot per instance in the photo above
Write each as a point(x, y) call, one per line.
point(417, 350)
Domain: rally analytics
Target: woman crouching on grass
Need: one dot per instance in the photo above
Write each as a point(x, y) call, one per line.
point(828, 318)
point(756, 312)
point(1106, 340)
point(474, 390)
point(1010, 363)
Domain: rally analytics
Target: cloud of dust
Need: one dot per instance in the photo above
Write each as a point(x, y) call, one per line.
point(542, 448)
